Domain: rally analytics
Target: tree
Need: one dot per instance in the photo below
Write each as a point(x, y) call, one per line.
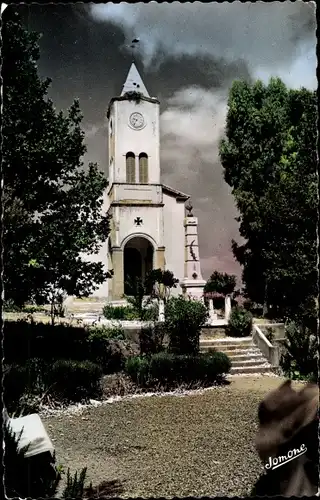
point(156, 285)
point(161, 283)
point(269, 160)
point(223, 283)
point(52, 206)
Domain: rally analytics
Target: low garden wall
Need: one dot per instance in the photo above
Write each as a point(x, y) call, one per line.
point(270, 352)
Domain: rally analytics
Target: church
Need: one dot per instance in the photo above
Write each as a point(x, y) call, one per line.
point(149, 227)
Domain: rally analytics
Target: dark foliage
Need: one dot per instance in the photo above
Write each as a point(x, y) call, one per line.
point(300, 357)
point(183, 322)
point(240, 322)
point(151, 339)
point(170, 370)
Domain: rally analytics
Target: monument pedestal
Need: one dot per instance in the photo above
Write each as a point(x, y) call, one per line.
point(193, 288)
point(192, 284)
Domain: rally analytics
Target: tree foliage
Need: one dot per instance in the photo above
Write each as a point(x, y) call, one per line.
point(161, 283)
point(223, 283)
point(52, 206)
point(184, 319)
point(300, 355)
point(156, 285)
point(269, 160)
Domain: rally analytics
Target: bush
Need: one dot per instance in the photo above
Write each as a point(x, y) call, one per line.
point(23, 340)
point(103, 333)
point(119, 312)
point(240, 322)
point(169, 369)
point(75, 485)
point(129, 313)
point(74, 380)
point(14, 384)
point(183, 322)
point(23, 380)
point(151, 339)
point(151, 312)
point(300, 357)
point(215, 364)
point(137, 368)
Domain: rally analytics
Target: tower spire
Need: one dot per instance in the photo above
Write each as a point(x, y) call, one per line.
point(134, 82)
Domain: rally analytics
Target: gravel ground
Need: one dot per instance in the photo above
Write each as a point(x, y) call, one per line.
point(201, 444)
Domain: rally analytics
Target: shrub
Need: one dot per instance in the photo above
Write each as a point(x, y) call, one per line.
point(75, 485)
point(23, 340)
point(73, 380)
point(300, 357)
point(23, 380)
point(151, 339)
point(183, 322)
point(240, 322)
point(215, 364)
point(151, 312)
point(137, 368)
point(171, 369)
point(119, 312)
point(14, 384)
point(103, 333)
point(130, 313)
point(255, 308)
point(116, 352)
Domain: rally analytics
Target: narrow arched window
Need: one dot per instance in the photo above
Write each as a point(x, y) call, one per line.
point(143, 168)
point(131, 168)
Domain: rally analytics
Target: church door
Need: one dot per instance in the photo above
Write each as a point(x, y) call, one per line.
point(132, 268)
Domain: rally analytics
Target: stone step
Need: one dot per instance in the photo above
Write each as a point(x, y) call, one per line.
point(238, 370)
point(248, 362)
point(217, 344)
point(245, 356)
point(226, 340)
point(230, 349)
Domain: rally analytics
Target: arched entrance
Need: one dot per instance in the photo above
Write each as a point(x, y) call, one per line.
point(137, 261)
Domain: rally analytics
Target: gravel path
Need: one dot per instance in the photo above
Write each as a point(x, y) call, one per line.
point(200, 444)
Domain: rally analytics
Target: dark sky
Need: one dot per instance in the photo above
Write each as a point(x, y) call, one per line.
point(188, 57)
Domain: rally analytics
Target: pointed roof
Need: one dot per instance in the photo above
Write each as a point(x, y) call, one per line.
point(134, 82)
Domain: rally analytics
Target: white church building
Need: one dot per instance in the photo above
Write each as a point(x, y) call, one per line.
point(149, 226)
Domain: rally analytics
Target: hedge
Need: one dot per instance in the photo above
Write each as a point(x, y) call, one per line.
point(74, 380)
point(64, 379)
point(171, 369)
point(24, 341)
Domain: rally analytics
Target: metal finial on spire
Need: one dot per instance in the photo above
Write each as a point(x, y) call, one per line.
point(133, 45)
point(189, 209)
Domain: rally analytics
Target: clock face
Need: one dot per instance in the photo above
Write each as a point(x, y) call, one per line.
point(136, 121)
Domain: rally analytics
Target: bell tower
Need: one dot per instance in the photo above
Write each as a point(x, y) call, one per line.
point(134, 136)
point(136, 239)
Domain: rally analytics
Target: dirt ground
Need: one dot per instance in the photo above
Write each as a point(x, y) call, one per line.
point(195, 445)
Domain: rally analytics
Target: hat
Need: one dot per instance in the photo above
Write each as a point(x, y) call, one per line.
point(282, 415)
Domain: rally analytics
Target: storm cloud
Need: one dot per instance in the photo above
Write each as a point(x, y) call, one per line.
point(188, 56)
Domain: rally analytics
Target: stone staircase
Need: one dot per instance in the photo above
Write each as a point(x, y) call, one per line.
point(245, 357)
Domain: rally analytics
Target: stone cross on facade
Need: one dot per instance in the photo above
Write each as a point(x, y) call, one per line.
point(138, 221)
